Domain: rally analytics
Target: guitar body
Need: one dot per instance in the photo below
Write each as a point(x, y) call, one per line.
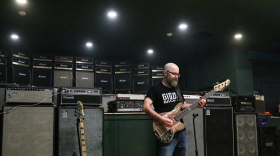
point(166, 133)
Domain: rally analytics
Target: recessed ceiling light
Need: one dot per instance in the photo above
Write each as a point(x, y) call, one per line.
point(169, 34)
point(15, 37)
point(89, 44)
point(112, 14)
point(21, 1)
point(183, 26)
point(238, 36)
point(22, 13)
point(150, 51)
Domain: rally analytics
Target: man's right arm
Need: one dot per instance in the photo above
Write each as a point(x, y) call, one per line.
point(153, 114)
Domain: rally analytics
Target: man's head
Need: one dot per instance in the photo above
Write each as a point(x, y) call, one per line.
point(171, 74)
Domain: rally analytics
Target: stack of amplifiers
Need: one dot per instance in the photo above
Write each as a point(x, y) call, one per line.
point(243, 103)
point(157, 74)
point(42, 71)
point(104, 76)
point(127, 103)
point(219, 99)
point(141, 78)
point(122, 78)
point(63, 74)
point(88, 96)
point(19, 71)
point(84, 72)
point(3, 66)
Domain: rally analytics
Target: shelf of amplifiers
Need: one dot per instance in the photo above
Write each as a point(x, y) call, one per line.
point(46, 71)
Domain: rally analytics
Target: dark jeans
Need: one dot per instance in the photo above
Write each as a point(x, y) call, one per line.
point(178, 146)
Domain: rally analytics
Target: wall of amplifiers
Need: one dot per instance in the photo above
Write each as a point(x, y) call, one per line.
point(46, 71)
point(229, 125)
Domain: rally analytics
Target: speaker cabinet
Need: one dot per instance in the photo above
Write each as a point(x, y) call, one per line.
point(68, 132)
point(84, 79)
point(19, 75)
point(140, 84)
point(3, 74)
point(62, 78)
point(28, 131)
point(42, 77)
point(268, 139)
point(218, 129)
point(246, 134)
point(104, 81)
point(156, 81)
point(122, 82)
point(188, 120)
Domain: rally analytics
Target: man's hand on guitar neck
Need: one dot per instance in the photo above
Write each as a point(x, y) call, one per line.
point(201, 103)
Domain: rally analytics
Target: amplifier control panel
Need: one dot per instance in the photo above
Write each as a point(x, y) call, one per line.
point(130, 106)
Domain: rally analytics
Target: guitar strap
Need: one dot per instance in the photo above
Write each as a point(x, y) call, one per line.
point(179, 94)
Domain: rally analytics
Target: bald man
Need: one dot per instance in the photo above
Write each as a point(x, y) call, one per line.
point(164, 98)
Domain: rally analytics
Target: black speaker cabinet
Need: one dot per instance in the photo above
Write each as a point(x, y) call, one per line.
point(42, 77)
point(62, 78)
point(122, 82)
point(188, 120)
point(140, 84)
point(218, 130)
point(84, 79)
point(246, 134)
point(3, 74)
point(28, 131)
point(268, 145)
point(104, 81)
point(19, 75)
point(156, 81)
point(68, 132)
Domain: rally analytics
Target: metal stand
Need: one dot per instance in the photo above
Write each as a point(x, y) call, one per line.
point(194, 116)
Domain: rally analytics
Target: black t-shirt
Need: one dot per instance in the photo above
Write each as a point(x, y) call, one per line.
point(164, 98)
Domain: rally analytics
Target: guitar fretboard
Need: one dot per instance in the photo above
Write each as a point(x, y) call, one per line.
point(82, 139)
point(193, 106)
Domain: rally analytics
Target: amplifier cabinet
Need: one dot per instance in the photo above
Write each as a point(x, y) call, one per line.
point(218, 101)
point(68, 59)
point(38, 57)
point(29, 95)
point(88, 96)
point(84, 60)
point(243, 103)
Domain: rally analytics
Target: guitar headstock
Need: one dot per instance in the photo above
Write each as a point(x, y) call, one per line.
point(80, 111)
point(222, 86)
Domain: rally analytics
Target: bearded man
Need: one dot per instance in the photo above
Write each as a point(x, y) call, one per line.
point(164, 98)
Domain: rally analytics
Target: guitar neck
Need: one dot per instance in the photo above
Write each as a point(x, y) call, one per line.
point(82, 138)
point(193, 106)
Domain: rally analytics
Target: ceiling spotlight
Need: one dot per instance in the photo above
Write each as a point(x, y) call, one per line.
point(89, 44)
point(183, 26)
point(238, 36)
point(22, 13)
point(15, 37)
point(21, 1)
point(169, 34)
point(112, 14)
point(150, 51)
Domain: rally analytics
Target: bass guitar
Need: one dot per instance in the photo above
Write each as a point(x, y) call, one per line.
point(80, 118)
point(166, 133)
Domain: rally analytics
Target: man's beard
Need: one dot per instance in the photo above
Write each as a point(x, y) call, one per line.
point(172, 82)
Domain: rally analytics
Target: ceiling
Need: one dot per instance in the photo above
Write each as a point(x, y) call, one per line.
point(64, 26)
